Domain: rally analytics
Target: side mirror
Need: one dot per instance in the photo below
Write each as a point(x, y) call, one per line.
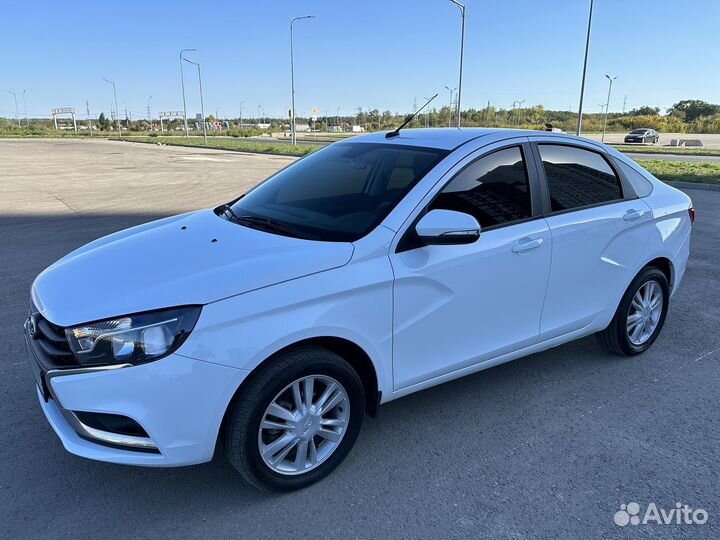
point(447, 227)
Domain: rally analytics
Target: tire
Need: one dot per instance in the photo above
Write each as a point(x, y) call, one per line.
point(249, 447)
point(617, 337)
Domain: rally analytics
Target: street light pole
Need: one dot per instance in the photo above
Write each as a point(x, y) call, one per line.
point(451, 102)
point(202, 104)
point(182, 83)
point(148, 111)
point(582, 85)
point(607, 105)
point(462, 50)
point(292, 77)
point(17, 113)
point(117, 111)
point(241, 104)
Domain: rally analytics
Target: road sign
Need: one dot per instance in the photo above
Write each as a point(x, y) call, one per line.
point(63, 111)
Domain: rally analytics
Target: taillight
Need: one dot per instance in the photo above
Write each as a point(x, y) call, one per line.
point(691, 213)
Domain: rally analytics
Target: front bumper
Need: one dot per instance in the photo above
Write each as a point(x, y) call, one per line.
point(178, 401)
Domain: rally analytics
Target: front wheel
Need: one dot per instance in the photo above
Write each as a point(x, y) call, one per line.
point(296, 421)
point(640, 316)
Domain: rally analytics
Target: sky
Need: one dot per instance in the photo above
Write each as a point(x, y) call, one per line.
point(384, 54)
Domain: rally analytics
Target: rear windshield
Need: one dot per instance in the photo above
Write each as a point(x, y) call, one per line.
point(339, 193)
point(638, 131)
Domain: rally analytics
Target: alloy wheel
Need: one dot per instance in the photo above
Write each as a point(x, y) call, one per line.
point(304, 424)
point(644, 313)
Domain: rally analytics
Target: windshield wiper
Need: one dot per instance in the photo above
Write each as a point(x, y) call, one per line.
point(227, 210)
point(271, 225)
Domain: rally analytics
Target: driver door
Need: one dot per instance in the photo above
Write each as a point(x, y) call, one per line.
point(456, 306)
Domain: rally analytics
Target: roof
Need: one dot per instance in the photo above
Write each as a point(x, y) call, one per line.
point(445, 138)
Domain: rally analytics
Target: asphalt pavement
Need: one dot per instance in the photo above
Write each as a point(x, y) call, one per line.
point(547, 446)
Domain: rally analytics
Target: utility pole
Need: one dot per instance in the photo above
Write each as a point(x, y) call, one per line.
point(582, 85)
point(87, 110)
point(292, 77)
point(427, 114)
point(607, 105)
point(624, 102)
point(451, 90)
point(241, 104)
point(517, 111)
point(27, 122)
point(462, 47)
point(17, 114)
point(148, 111)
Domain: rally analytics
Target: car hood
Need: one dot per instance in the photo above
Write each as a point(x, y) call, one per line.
point(193, 258)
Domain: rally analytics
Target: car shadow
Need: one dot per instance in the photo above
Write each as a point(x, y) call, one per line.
point(434, 437)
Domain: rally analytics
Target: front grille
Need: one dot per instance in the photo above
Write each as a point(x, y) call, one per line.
point(50, 344)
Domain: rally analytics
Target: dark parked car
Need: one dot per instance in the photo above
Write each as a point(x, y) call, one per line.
point(643, 135)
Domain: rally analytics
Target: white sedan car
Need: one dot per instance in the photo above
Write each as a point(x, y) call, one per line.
point(371, 269)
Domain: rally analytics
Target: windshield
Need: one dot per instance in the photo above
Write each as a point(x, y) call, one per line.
point(339, 193)
point(638, 132)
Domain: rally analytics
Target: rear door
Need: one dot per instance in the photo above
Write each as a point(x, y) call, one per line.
point(599, 230)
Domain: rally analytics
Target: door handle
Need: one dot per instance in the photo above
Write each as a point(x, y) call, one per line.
point(632, 214)
point(527, 245)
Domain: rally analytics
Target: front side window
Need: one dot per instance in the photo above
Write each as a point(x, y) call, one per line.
point(494, 189)
point(339, 193)
point(578, 177)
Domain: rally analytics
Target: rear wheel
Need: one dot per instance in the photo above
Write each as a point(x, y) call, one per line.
point(296, 421)
point(640, 316)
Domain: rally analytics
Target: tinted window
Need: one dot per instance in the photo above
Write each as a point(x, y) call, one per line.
point(494, 189)
point(577, 177)
point(339, 193)
point(642, 186)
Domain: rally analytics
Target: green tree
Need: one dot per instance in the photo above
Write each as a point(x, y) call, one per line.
point(645, 111)
point(103, 122)
point(692, 109)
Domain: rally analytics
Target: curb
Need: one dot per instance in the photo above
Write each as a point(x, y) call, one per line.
point(695, 185)
point(211, 148)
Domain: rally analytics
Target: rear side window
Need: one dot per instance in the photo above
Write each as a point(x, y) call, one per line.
point(578, 177)
point(642, 186)
point(494, 189)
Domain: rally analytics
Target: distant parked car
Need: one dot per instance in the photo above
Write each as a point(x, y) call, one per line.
point(550, 128)
point(643, 135)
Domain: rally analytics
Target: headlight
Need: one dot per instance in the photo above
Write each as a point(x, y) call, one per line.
point(132, 339)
